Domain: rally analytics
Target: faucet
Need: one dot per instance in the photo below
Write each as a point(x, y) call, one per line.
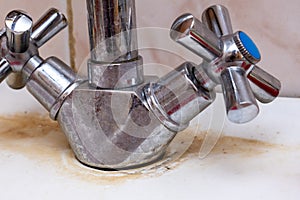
point(117, 118)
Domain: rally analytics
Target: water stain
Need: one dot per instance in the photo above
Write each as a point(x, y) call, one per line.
point(40, 139)
point(233, 145)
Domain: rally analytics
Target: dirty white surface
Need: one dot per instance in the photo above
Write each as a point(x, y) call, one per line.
point(260, 161)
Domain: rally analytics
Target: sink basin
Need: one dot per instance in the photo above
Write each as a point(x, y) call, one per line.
point(257, 160)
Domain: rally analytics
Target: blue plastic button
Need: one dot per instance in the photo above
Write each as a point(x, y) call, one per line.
point(249, 45)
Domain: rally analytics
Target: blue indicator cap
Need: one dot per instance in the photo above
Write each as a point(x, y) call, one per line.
point(249, 45)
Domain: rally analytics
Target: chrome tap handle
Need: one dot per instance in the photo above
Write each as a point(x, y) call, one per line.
point(18, 30)
point(51, 23)
point(194, 35)
point(240, 102)
point(217, 19)
point(264, 86)
point(229, 59)
point(24, 39)
point(5, 69)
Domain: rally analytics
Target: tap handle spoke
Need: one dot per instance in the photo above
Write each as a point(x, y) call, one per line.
point(264, 86)
point(5, 69)
point(18, 30)
point(217, 19)
point(195, 36)
point(51, 23)
point(240, 102)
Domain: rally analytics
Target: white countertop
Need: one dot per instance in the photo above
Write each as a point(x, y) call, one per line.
point(258, 160)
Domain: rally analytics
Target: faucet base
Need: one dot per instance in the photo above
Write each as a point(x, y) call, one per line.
point(158, 158)
point(113, 128)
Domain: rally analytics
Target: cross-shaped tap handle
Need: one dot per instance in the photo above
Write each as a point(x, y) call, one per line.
point(23, 39)
point(264, 86)
point(230, 60)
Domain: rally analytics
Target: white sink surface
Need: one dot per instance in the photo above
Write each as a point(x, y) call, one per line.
point(258, 160)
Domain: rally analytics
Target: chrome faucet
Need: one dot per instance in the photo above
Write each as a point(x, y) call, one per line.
point(117, 118)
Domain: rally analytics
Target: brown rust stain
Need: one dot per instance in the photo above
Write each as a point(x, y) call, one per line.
point(39, 138)
point(232, 145)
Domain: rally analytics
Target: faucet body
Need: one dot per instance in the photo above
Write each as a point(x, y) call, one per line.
point(117, 118)
point(118, 135)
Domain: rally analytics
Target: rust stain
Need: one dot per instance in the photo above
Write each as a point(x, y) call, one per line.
point(233, 145)
point(40, 139)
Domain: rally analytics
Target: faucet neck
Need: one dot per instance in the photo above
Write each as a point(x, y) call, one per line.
point(114, 63)
point(112, 31)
